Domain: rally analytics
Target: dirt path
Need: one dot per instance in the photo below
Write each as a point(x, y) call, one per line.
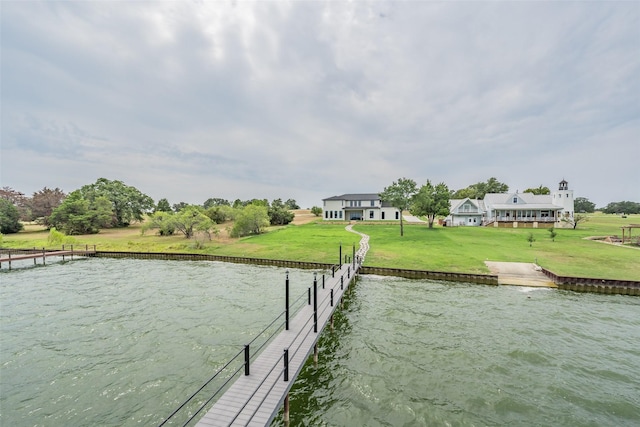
point(519, 274)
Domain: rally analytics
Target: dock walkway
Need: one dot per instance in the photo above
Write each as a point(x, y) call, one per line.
point(36, 254)
point(255, 399)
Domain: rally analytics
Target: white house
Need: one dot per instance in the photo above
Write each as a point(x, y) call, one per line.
point(514, 209)
point(350, 207)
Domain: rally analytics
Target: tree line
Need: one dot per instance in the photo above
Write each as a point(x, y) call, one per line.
point(109, 204)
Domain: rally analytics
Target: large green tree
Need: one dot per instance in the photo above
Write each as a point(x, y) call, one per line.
point(215, 201)
point(128, 203)
point(19, 200)
point(291, 204)
point(43, 203)
point(431, 201)
point(252, 219)
point(163, 206)
point(399, 195)
point(279, 213)
point(190, 220)
point(479, 189)
point(9, 217)
point(220, 214)
point(622, 207)
point(77, 215)
point(582, 204)
point(539, 190)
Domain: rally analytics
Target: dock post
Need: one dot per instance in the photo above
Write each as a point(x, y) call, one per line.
point(71, 252)
point(9, 260)
point(315, 303)
point(246, 359)
point(286, 299)
point(286, 365)
point(285, 414)
point(44, 257)
point(315, 354)
point(353, 257)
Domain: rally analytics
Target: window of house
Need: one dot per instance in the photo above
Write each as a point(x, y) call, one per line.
point(335, 215)
point(340, 214)
point(373, 203)
point(370, 214)
point(515, 200)
point(331, 214)
point(326, 214)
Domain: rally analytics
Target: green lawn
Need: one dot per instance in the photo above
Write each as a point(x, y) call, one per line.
point(457, 249)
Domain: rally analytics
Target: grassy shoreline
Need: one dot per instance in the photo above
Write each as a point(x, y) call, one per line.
point(452, 249)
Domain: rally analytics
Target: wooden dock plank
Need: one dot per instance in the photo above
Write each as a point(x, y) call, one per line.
point(254, 400)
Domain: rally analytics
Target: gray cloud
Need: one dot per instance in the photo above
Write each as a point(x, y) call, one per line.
point(310, 99)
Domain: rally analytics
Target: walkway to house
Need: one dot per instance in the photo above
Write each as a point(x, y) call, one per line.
point(364, 243)
point(519, 274)
point(255, 398)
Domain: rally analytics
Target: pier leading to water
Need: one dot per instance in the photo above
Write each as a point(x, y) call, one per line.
point(253, 394)
point(13, 255)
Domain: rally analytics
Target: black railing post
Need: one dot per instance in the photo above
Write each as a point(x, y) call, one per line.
point(286, 301)
point(340, 259)
point(246, 359)
point(349, 272)
point(309, 296)
point(331, 297)
point(315, 303)
point(353, 258)
point(322, 281)
point(333, 271)
point(286, 364)
point(341, 282)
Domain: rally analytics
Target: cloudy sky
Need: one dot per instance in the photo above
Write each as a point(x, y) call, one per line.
point(306, 100)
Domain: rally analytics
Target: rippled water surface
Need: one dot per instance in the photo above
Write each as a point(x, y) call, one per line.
point(123, 342)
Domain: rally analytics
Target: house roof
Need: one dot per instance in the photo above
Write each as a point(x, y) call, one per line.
point(456, 203)
point(356, 196)
point(522, 206)
point(492, 199)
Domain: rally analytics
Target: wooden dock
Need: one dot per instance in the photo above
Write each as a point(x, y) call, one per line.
point(43, 254)
point(255, 399)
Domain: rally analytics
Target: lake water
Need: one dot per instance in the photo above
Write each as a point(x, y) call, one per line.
point(124, 342)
